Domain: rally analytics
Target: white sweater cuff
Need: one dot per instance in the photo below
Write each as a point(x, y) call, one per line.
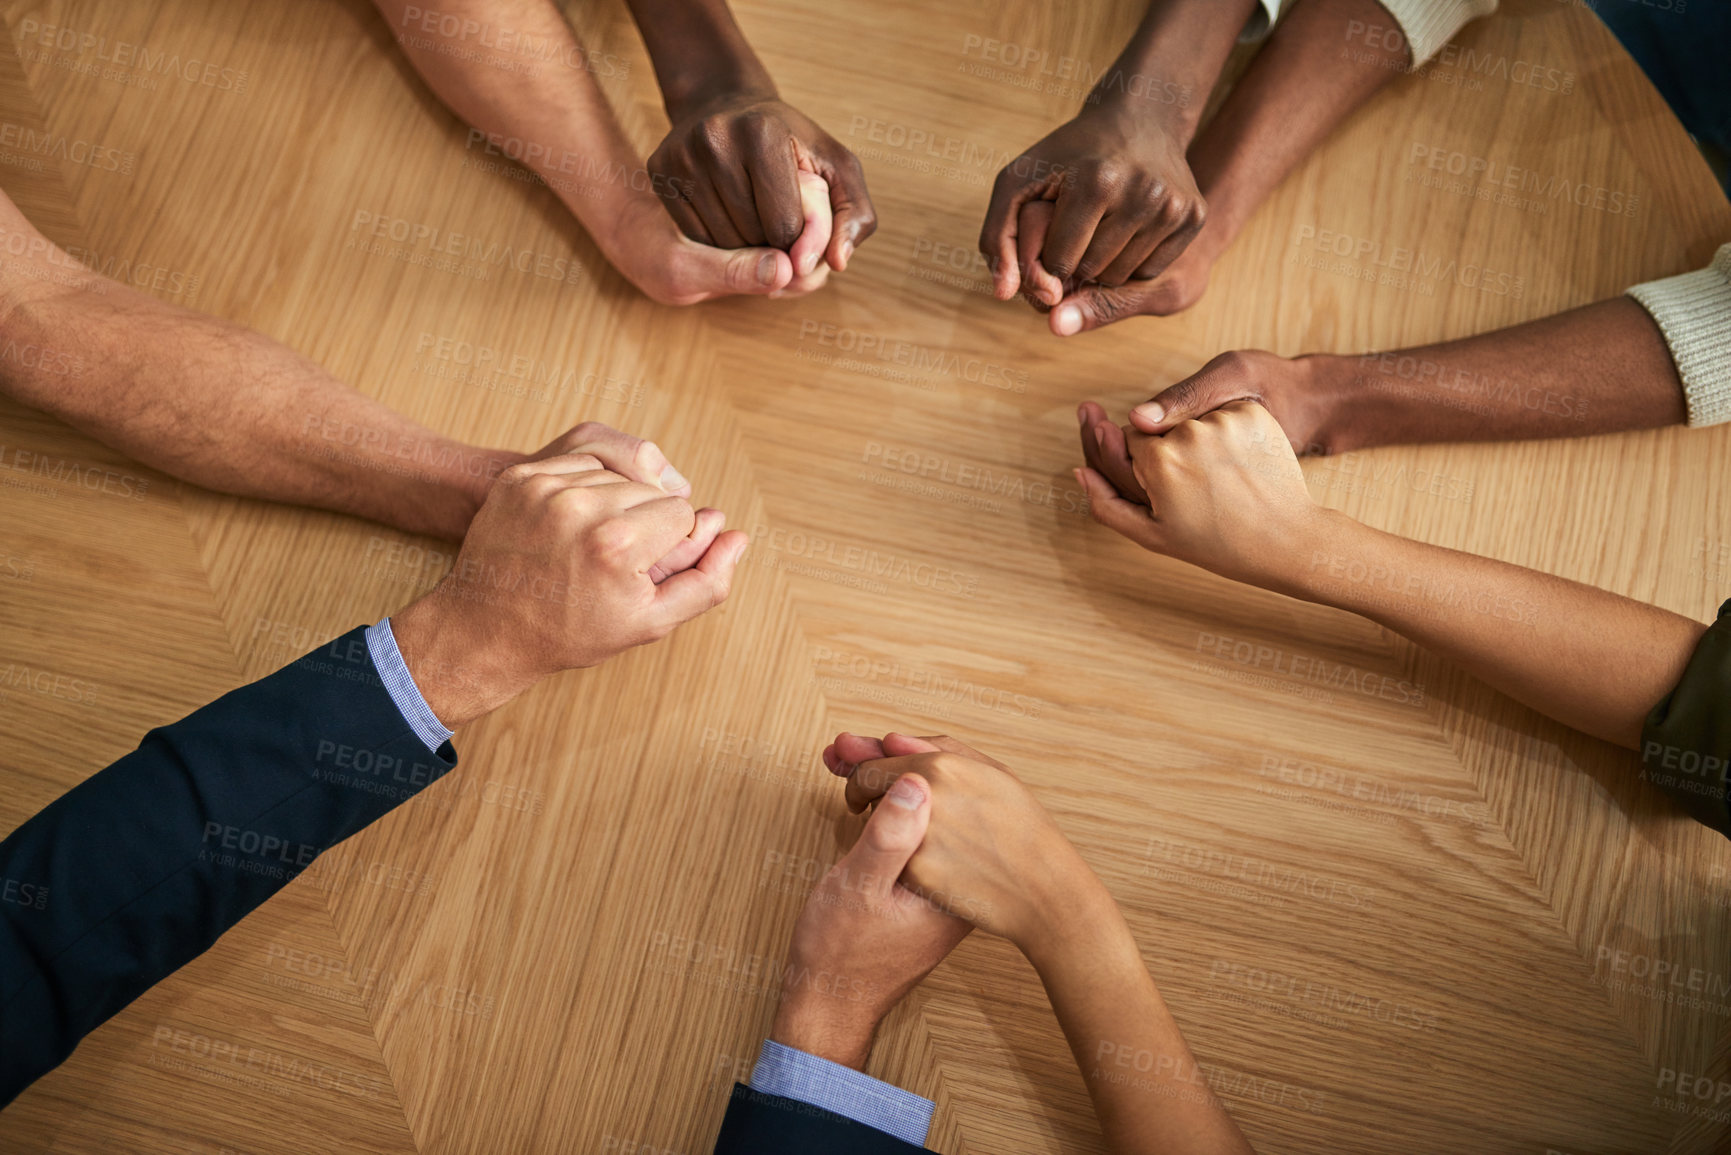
point(1694, 313)
point(1261, 21)
point(1430, 24)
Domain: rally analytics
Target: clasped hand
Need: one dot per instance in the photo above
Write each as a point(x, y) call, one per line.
point(955, 841)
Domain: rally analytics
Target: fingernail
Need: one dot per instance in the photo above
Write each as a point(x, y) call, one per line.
point(845, 253)
point(671, 479)
point(1069, 320)
point(1151, 411)
point(1100, 436)
point(1081, 414)
point(906, 794)
point(766, 269)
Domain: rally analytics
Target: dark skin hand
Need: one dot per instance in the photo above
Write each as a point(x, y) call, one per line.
point(736, 160)
point(1124, 202)
point(1296, 90)
point(1601, 368)
point(736, 148)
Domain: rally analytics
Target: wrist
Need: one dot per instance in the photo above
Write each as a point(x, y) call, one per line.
point(1340, 404)
point(1085, 928)
point(1131, 97)
point(458, 665)
point(820, 1025)
point(443, 503)
point(718, 88)
point(1173, 61)
point(1334, 545)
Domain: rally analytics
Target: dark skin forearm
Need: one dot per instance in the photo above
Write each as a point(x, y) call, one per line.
point(1601, 368)
point(698, 52)
point(1291, 98)
point(1182, 42)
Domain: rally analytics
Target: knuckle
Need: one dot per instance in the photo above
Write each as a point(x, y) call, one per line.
point(1232, 363)
point(784, 227)
point(1109, 306)
point(611, 541)
point(943, 763)
point(865, 219)
point(517, 474)
point(760, 127)
point(713, 138)
point(1153, 196)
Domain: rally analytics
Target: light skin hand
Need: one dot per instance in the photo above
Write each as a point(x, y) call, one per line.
point(559, 571)
point(1225, 492)
point(993, 855)
point(989, 838)
point(1285, 387)
point(638, 460)
point(863, 940)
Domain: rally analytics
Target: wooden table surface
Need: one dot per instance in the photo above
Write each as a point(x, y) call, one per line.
point(1393, 911)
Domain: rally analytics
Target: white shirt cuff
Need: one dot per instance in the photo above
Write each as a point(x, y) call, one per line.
point(794, 1074)
point(400, 685)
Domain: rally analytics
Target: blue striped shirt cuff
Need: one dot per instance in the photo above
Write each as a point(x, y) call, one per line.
point(794, 1074)
point(388, 660)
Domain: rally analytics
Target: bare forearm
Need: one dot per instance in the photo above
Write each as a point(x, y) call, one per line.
point(529, 97)
point(1600, 368)
point(1174, 59)
point(1148, 1090)
point(1304, 81)
point(228, 409)
point(1590, 659)
point(698, 51)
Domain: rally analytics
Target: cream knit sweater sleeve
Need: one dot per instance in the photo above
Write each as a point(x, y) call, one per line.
point(1430, 24)
point(1694, 313)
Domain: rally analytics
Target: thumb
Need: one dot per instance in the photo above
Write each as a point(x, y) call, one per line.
point(894, 833)
point(733, 272)
point(1202, 392)
point(808, 248)
point(855, 216)
point(1092, 307)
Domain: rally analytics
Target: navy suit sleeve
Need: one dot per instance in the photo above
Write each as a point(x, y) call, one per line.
point(759, 1124)
point(141, 867)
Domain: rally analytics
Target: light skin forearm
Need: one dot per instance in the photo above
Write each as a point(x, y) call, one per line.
point(1601, 368)
point(551, 117)
point(1587, 658)
point(1148, 1091)
point(221, 406)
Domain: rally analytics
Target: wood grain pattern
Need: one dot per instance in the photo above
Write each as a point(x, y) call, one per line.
point(1387, 906)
